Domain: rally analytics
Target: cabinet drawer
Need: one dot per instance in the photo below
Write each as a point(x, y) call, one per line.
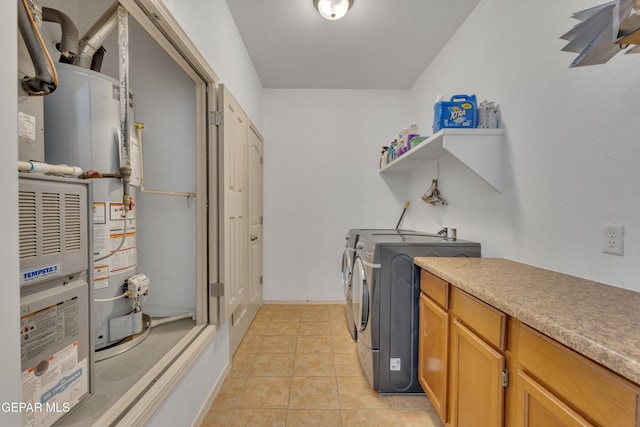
point(597, 393)
point(484, 320)
point(435, 288)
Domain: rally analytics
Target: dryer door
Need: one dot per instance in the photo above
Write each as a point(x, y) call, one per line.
point(360, 295)
point(347, 268)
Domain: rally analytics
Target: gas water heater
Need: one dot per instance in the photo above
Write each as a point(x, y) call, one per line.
point(82, 128)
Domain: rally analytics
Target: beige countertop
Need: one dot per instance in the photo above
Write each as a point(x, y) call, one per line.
point(599, 321)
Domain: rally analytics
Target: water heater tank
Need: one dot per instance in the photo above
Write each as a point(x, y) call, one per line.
point(82, 128)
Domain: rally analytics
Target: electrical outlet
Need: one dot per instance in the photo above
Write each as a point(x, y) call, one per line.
point(613, 239)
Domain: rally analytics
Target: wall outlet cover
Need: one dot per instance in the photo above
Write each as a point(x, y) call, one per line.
point(613, 239)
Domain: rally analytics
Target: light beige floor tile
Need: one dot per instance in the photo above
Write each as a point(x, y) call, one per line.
point(241, 364)
point(285, 316)
point(314, 316)
point(269, 308)
point(314, 308)
point(218, 418)
point(344, 344)
point(272, 365)
point(278, 344)
point(263, 315)
point(260, 418)
point(258, 328)
point(314, 328)
point(314, 393)
point(314, 417)
point(356, 393)
point(369, 418)
point(336, 308)
point(418, 418)
point(230, 393)
point(348, 365)
point(250, 344)
point(298, 366)
point(265, 393)
point(410, 402)
point(282, 328)
point(314, 344)
point(313, 365)
point(290, 307)
point(338, 315)
point(339, 328)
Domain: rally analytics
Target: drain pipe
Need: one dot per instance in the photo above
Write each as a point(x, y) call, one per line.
point(92, 40)
point(69, 38)
point(46, 79)
point(162, 320)
point(39, 167)
point(139, 128)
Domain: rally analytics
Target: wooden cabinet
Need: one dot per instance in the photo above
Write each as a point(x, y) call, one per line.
point(537, 406)
point(477, 362)
point(480, 367)
point(476, 391)
point(460, 363)
point(433, 352)
point(556, 386)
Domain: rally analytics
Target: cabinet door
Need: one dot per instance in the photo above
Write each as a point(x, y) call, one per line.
point(432, 359)
point(537, 407)
point(476, 392)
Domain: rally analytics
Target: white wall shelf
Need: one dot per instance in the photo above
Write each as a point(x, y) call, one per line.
point(481, 150)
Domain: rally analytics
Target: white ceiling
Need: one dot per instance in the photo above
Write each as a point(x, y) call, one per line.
point(379, 44)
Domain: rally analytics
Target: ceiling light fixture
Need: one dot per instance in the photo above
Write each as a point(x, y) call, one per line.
point(332, 9)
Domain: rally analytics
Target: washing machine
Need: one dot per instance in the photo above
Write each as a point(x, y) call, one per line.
point(348, 257)
point(385, 304)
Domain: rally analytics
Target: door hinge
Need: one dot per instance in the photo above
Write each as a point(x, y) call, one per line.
point(261, 280)
point(261, 220)
point(505, 378)
point(216, 290)
point(216, 117)
point(261, 160)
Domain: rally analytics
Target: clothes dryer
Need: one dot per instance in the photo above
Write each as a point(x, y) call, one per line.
point(385, 304)
point(348, 257)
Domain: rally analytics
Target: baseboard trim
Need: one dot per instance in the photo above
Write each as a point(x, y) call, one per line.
point(212, 396)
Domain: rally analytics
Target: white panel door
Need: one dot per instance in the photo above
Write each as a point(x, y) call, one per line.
point(233, 227)
point(256, 150)
point(246, 312)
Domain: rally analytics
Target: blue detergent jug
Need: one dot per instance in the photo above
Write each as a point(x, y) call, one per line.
point(461, 111)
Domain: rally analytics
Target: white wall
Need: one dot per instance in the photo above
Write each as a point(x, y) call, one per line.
point(572, 143)
point(210, 26)
point(11, 390)
point(166, 225)
point(321, 178)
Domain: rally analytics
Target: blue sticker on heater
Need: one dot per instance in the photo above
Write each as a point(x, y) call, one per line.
point(61, 386)
point(39, 273)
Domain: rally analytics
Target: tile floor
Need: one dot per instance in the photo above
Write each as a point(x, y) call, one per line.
point(298, 366)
